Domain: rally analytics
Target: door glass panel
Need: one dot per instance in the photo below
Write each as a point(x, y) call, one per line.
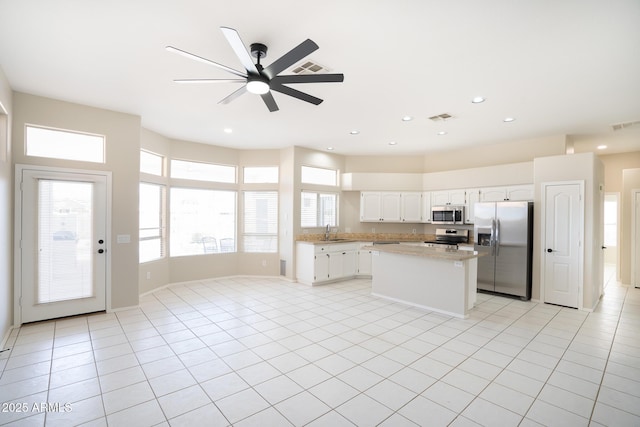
point(65, 236)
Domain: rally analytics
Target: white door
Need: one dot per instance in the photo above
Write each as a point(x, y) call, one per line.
point(63, 244)
point(562, 244)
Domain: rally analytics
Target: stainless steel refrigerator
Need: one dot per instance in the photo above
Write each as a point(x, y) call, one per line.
point(504, 232)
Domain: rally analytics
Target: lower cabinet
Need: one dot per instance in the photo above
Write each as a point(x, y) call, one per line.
point(364, 260)
point(326, 263)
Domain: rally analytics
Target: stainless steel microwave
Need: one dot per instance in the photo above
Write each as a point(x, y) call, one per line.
point(447, 214)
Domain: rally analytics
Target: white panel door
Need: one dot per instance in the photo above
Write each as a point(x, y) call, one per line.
point(636, 241)
point(63, 244)
point(562, 240)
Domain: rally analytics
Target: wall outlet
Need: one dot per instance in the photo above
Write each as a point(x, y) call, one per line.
point(373, 229)
point(264, 262)
point(305, 231)
point(148, 275)
point(414, 231)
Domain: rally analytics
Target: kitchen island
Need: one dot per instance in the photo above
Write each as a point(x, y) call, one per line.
point(436, 279)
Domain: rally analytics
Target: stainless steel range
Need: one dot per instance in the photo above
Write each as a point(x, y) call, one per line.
point(448, 238)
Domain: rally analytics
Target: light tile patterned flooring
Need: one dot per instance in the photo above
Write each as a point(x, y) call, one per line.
point(265, 352)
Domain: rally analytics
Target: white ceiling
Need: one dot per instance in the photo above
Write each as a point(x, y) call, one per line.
point(557, 66)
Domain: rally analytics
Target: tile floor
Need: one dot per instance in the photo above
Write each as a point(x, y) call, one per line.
point(265, 352)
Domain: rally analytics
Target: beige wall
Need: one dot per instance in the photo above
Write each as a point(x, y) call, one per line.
point(496, 154)
point(382, 164)
point(122, 133)
point(6, 211)
point(631, 181)
point(584, 167)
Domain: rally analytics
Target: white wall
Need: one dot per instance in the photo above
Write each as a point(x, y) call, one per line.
point(6, 211)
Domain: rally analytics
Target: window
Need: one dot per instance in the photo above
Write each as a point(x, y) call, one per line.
point(152, 227)
point(311, 175)
point(202, 221)
point(62, 144)
point(203, 171)
point(319, 209)
point(261, 175)
point(260, 221)
point(150, 163)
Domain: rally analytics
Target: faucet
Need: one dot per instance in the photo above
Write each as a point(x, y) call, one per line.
point(326, 233)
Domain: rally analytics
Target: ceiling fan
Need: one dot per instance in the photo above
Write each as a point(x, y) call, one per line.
point(261, 80)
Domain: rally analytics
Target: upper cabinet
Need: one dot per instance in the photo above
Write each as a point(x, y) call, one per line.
point(426, 207)
point(411, 207)
point(388, 206)
point(473, 196)
point(514, 192)
point(379, 206)
point(448, 197)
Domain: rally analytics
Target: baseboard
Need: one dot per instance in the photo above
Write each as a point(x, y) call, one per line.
point(115, 310)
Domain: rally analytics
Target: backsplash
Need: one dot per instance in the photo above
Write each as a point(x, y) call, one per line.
point(368, 237)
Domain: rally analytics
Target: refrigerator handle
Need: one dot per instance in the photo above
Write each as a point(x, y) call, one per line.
point(493, 237)
point(497, 237)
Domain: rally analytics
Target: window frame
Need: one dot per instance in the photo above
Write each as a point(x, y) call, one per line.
point(274, 235)
point(162, 229)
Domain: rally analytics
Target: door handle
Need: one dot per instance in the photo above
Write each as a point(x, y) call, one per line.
point(100, 251)
point(549, 250)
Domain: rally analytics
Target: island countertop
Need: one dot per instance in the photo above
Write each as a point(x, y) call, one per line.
point(423, 251)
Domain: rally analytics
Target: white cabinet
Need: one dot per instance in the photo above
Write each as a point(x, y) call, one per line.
point(325, 263)
point(411, 207)
point(370, 209)
point(448, 197)
point(426, 207)
point(364, 260)
point(379, 206)
point(388, 206)
point(473, 196)
point(513, 192)
point(520, 192)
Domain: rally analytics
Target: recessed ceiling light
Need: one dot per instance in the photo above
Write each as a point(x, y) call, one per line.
point(407, 118)
point(354, 132)
point(330, 148)
point(478, 99)
point(228, 130)
point(442, 132)
point(508, 119)
point(393, 143)
point(601, 147)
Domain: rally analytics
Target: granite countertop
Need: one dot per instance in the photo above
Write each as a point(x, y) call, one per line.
point(441, 253)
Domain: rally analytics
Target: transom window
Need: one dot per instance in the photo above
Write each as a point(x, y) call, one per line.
point(64, 144)
point(261, 175)
point(151, 163)
point(203, 171)
point(319, 176)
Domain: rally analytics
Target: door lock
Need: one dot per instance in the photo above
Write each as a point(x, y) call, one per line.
point(100, 251)
point(549, 250)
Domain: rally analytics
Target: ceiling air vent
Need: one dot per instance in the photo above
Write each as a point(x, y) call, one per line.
point(441, 117)
point(621, 126)
point(310, 67)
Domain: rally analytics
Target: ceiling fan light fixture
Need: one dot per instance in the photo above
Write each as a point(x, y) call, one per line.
point(257, 86)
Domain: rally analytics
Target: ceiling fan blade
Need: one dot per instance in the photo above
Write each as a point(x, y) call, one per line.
point(233, 95)
point(205, 61)
point(239, 48)
point(309, 78)
point(291, 57)
point(210, 80)
point(270, 102)
point(295, 93)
